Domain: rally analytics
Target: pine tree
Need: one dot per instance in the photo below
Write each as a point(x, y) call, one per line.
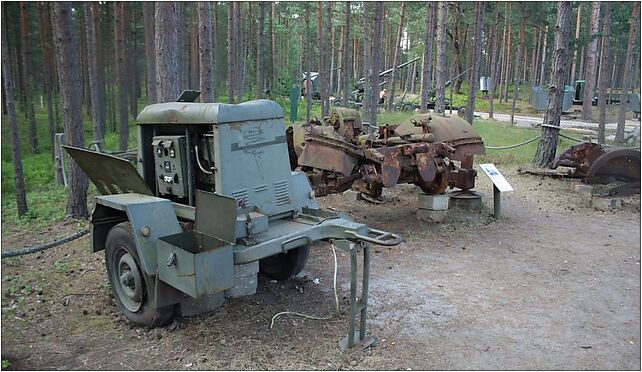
point(442, 68)
point(591, 62)
point(205, 50)
point(626, 74)
point(166, 51)
point(550, 129)
point(9, 101)
point(69, 82)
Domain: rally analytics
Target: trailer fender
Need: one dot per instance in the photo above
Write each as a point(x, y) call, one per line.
point(150, 218)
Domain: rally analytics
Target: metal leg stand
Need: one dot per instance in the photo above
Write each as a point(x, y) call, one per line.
point(357, 307)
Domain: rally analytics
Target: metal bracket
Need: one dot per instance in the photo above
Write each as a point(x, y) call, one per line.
point(357, 306)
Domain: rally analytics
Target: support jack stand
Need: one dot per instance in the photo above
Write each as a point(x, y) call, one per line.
point(357, 307)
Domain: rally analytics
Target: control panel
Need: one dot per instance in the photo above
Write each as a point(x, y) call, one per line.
point(170, 158)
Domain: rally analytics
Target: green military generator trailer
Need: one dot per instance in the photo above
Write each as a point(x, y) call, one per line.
point(212, 203)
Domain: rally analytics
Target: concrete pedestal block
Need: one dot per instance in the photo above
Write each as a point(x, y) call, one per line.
point(351, 195)
point(191, 306)
point(605, 203)
point(245, 280)
point(582, 188)
point(428, 215)
point(438, 202)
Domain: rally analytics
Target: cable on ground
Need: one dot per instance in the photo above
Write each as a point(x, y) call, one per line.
point(336, 299)
point(55, 243)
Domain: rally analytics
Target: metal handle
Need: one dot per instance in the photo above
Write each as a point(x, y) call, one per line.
point(292, 240)
point(383, 237)
point(171, 260)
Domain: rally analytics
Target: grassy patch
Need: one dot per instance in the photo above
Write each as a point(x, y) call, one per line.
point(495, 133)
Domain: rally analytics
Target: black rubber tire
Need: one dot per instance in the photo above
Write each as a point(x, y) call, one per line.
point(285, 265)
point(120, 239)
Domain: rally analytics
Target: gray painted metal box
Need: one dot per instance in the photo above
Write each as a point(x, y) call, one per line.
point(539, 98)
point(195, 263)
point(634, 102)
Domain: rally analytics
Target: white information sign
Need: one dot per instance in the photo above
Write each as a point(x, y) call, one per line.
point(498, 180)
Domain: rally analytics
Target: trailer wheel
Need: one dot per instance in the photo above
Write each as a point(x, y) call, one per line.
point(285, 265)
point(132, 288)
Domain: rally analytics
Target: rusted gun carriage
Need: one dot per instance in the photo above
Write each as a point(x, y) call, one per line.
point(342, 152)
point(596, 164)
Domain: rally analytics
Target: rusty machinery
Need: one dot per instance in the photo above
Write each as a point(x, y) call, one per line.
point(596, 164)
point(342, 152)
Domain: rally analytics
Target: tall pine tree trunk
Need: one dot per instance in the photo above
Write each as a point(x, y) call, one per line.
point(150, 51)
point(48, 69)
point(591, 63)
point(426, 68)
point(10, 103)
point(376, 59)
point(542, 74)
point(442, 68)
point(230, 51)
point(578, 24)
point(626, 75)
point(100, 61)
point(194, 54)
point(345, 64)
point(260, 51)
point(395, 58)
point(367, 61)
point(494, 49)
point(131, 56)
point(329, 55)
point(508, 65)
point(67, 67)
point(271, 43)
point(121, 75)
point(96, 111)
point(205, 50)
point(480, 7)
point(27, 78)
point(166, 51)
point(604, 78)
point(503, 53)
point(321, 52)
point(550, 129)
point(308, 65)
point(520, 50)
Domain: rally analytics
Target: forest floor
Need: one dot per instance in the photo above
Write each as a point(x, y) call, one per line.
point(554, 284)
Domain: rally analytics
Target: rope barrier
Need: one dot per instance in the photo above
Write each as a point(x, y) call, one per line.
point(55, 243)
point(513, 146)
point(534, 139)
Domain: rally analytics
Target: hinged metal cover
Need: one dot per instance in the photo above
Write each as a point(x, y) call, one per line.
point(215, 216)
point(110, 174)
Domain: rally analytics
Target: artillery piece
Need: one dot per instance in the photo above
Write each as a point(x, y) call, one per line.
point(341, 152)
point(213, 202)
point(595, 164)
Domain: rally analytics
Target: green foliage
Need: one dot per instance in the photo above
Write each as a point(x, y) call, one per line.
point(5, 363)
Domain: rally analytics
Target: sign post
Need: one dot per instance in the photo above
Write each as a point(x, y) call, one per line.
point(499, 185)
